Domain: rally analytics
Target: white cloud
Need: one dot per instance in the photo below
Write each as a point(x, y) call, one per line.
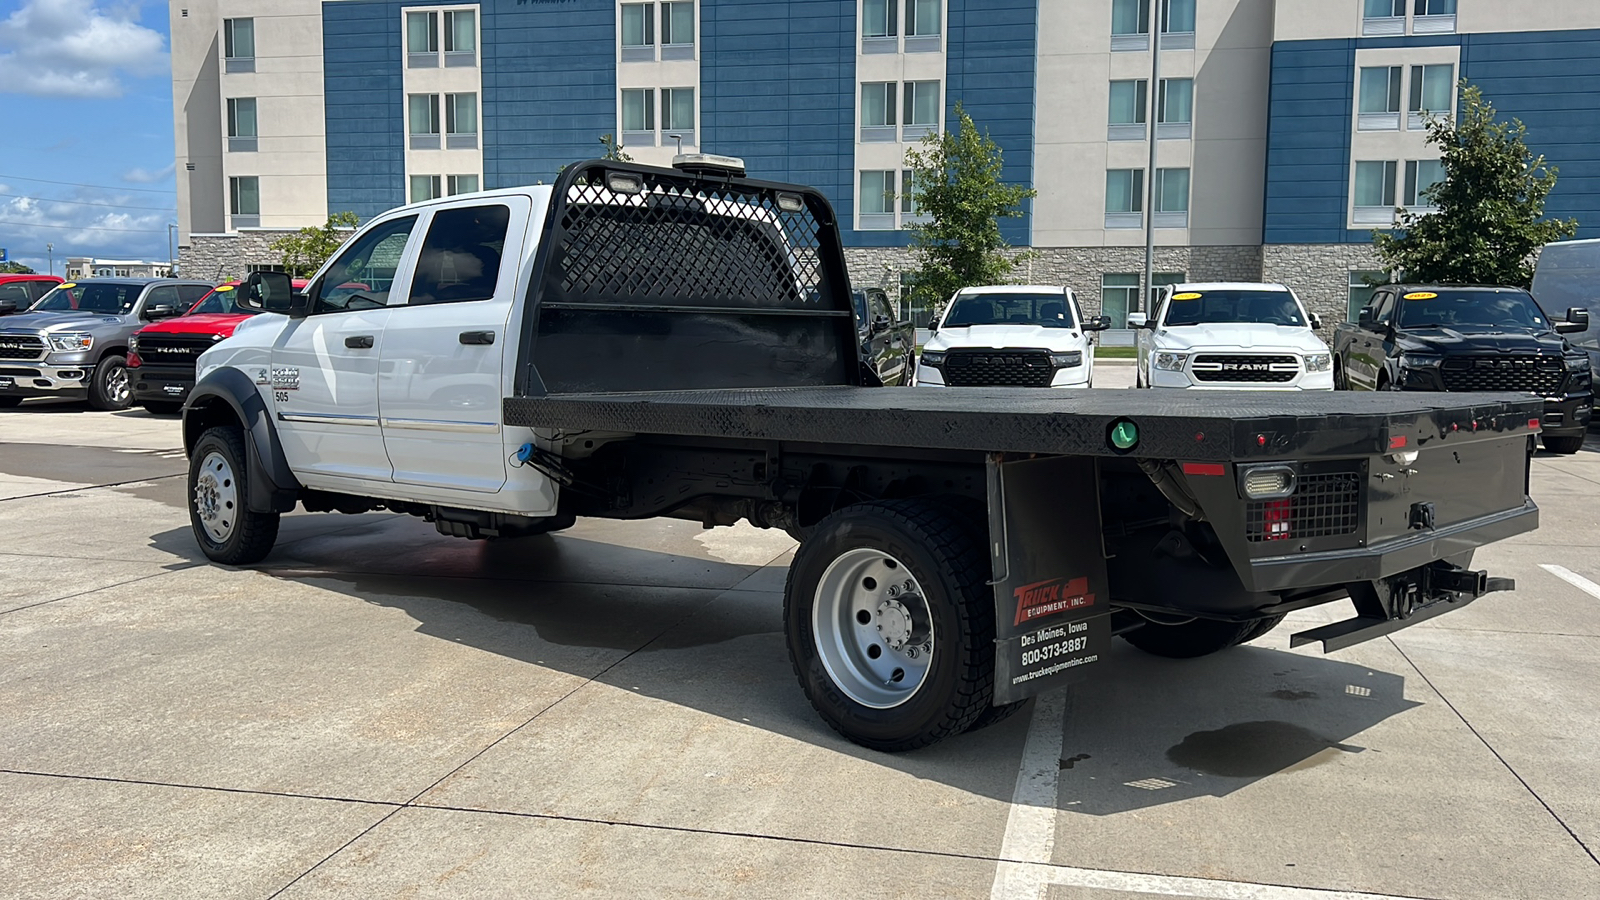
point(74, 48)
point(81, 222)
point(148, 176)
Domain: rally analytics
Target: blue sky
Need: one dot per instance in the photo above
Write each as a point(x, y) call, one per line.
point(86, 148)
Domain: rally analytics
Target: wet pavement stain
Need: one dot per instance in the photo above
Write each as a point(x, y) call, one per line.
point(1253, 749)
point(1293, 695)
point(1074, 760)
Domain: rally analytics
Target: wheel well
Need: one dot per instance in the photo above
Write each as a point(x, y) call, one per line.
point(110, 351)
point(208, 413)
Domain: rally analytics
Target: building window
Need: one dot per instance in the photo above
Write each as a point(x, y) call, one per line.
point(1172, 198)
point(1434, 17)
point(877, 200)
point(877, 112)
point(461, 121)
point(1124, 198)
point(1422, 174)
point(422, 40)
point(678, 113)
point(1362, 286)
point(638, 32)
point(1129, 100)
point(424, 187)
point(677, 30)
point(921, 109)
point(244, 201)
point(460, 38)
point(1375, 192)
point(923, 26)
point(424, 125)
point(1177, 24)
point(239, 45)
point(1175, 109)
point(639, 117)
point(1130, 24)
point(241, 124)
point(1432, 93)
point(1380, 17)
point(908, 197)
point(1118, 295)
point(462, 184)
point(878, 18)
point(1379, 103)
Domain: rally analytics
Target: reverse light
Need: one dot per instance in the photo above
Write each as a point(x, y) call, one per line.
point(1319, 362)
point(934, 358)
point(68, 343)
point(1168, 361)
point(1067, 360)
point(1267, 482)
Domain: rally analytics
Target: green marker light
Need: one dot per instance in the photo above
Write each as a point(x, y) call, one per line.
point(1124, 435)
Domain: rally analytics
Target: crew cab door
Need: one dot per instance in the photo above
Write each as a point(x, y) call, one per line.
point(1368, 349)
point(325, 366)
point(441, 382)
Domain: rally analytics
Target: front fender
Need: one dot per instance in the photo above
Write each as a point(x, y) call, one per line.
point(226, 391)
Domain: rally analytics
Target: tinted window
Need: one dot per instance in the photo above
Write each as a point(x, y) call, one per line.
point(460, 259)
point(40, 288)
point(166, 295)
point(859, 300)
point(189, 293)
point(880, 306)
point(1048, 310)
point(1382, 306)
point(111, 299)
point(1233, 306)
point(1444, 308)
point(222, 301)
point(17, 292)
point(365, 270)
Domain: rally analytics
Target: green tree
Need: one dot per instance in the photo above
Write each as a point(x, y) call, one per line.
point(1490, 206)
point(15, 268)
point(304, 252)
point(614, 150)
point(956, 184)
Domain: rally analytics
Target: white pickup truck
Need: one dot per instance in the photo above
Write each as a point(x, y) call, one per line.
point(635, 342)
point(1015, 335)
point(1231, 336)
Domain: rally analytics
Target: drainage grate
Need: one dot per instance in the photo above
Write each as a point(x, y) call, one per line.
point(1323, 505)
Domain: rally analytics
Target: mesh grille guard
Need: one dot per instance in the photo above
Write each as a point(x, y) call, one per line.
point(638, 260)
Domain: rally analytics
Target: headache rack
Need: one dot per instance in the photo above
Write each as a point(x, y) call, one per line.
point(659, 279)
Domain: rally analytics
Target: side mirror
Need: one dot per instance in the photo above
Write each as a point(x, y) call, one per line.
point(933, 324)
point(1097, 323)
point(880, 325)
point(1577, 322)
point(273, 292)
point(155, 312)
point(7, 307)
point(1138, 320)
point(1365, 318)
point(1316, 322)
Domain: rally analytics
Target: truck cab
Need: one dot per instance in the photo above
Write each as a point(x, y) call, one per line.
point(1013, 335)
point(1231, 336)
point(18, 292)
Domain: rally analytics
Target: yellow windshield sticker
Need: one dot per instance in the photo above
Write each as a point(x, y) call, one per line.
point(70, 284)
point(224, 288)
point(1421, 295)
point(1189, 296)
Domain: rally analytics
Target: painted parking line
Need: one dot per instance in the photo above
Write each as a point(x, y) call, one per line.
point(1574, 579)
point(1025, 871)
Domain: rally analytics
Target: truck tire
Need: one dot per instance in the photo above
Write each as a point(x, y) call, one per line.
point(890, 623)
point(1194, 638)
point(109, 387)
point(227, 531)
point(1260, 627)
point(1563, 445)
point(157, 408)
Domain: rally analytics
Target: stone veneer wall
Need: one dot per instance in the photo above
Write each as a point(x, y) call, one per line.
point(1079, 268)
point(224, 257)
point(1319, 273)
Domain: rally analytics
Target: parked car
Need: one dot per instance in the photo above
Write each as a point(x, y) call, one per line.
point(1456, 338)
point(1568, 277)
point(1231, 336)
point(18, 292)
point(888, 342)
point(161, 357)
point(73, 343)
point(1013, 335)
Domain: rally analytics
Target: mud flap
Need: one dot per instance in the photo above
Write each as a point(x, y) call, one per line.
point(1051, 600)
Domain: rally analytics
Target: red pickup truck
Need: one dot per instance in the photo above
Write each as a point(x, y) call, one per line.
point(161, 361)
point(18, 292)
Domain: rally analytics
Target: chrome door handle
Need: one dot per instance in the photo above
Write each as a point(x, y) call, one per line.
point(359, 342)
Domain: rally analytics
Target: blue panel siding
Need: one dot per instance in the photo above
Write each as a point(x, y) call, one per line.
point(1549, 80)
point(363, 97)
point(993, 65)
point(549, 86)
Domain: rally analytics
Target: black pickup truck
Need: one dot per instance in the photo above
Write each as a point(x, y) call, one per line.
point(1461, 338)
point(682, 343)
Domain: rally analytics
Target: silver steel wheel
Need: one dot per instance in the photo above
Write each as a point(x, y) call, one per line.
point(118, 390)
point(216, 497)
point(873, 628)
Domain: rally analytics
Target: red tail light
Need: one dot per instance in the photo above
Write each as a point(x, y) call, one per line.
point(1276, 516)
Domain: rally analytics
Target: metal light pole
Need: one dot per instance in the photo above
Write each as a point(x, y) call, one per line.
point(50, 250)
point(1147, 296)
point(170, 229)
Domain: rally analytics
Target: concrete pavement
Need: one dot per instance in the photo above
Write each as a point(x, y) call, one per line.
point(377, 710)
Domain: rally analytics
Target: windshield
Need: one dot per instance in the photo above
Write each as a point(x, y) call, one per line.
point(223, 300)
point(1234, 306)
point(110, 299)
point(1048, 310)
point(1444, 308)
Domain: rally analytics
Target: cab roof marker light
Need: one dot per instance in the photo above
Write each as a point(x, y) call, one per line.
point(791, 203)
point(623, 183)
